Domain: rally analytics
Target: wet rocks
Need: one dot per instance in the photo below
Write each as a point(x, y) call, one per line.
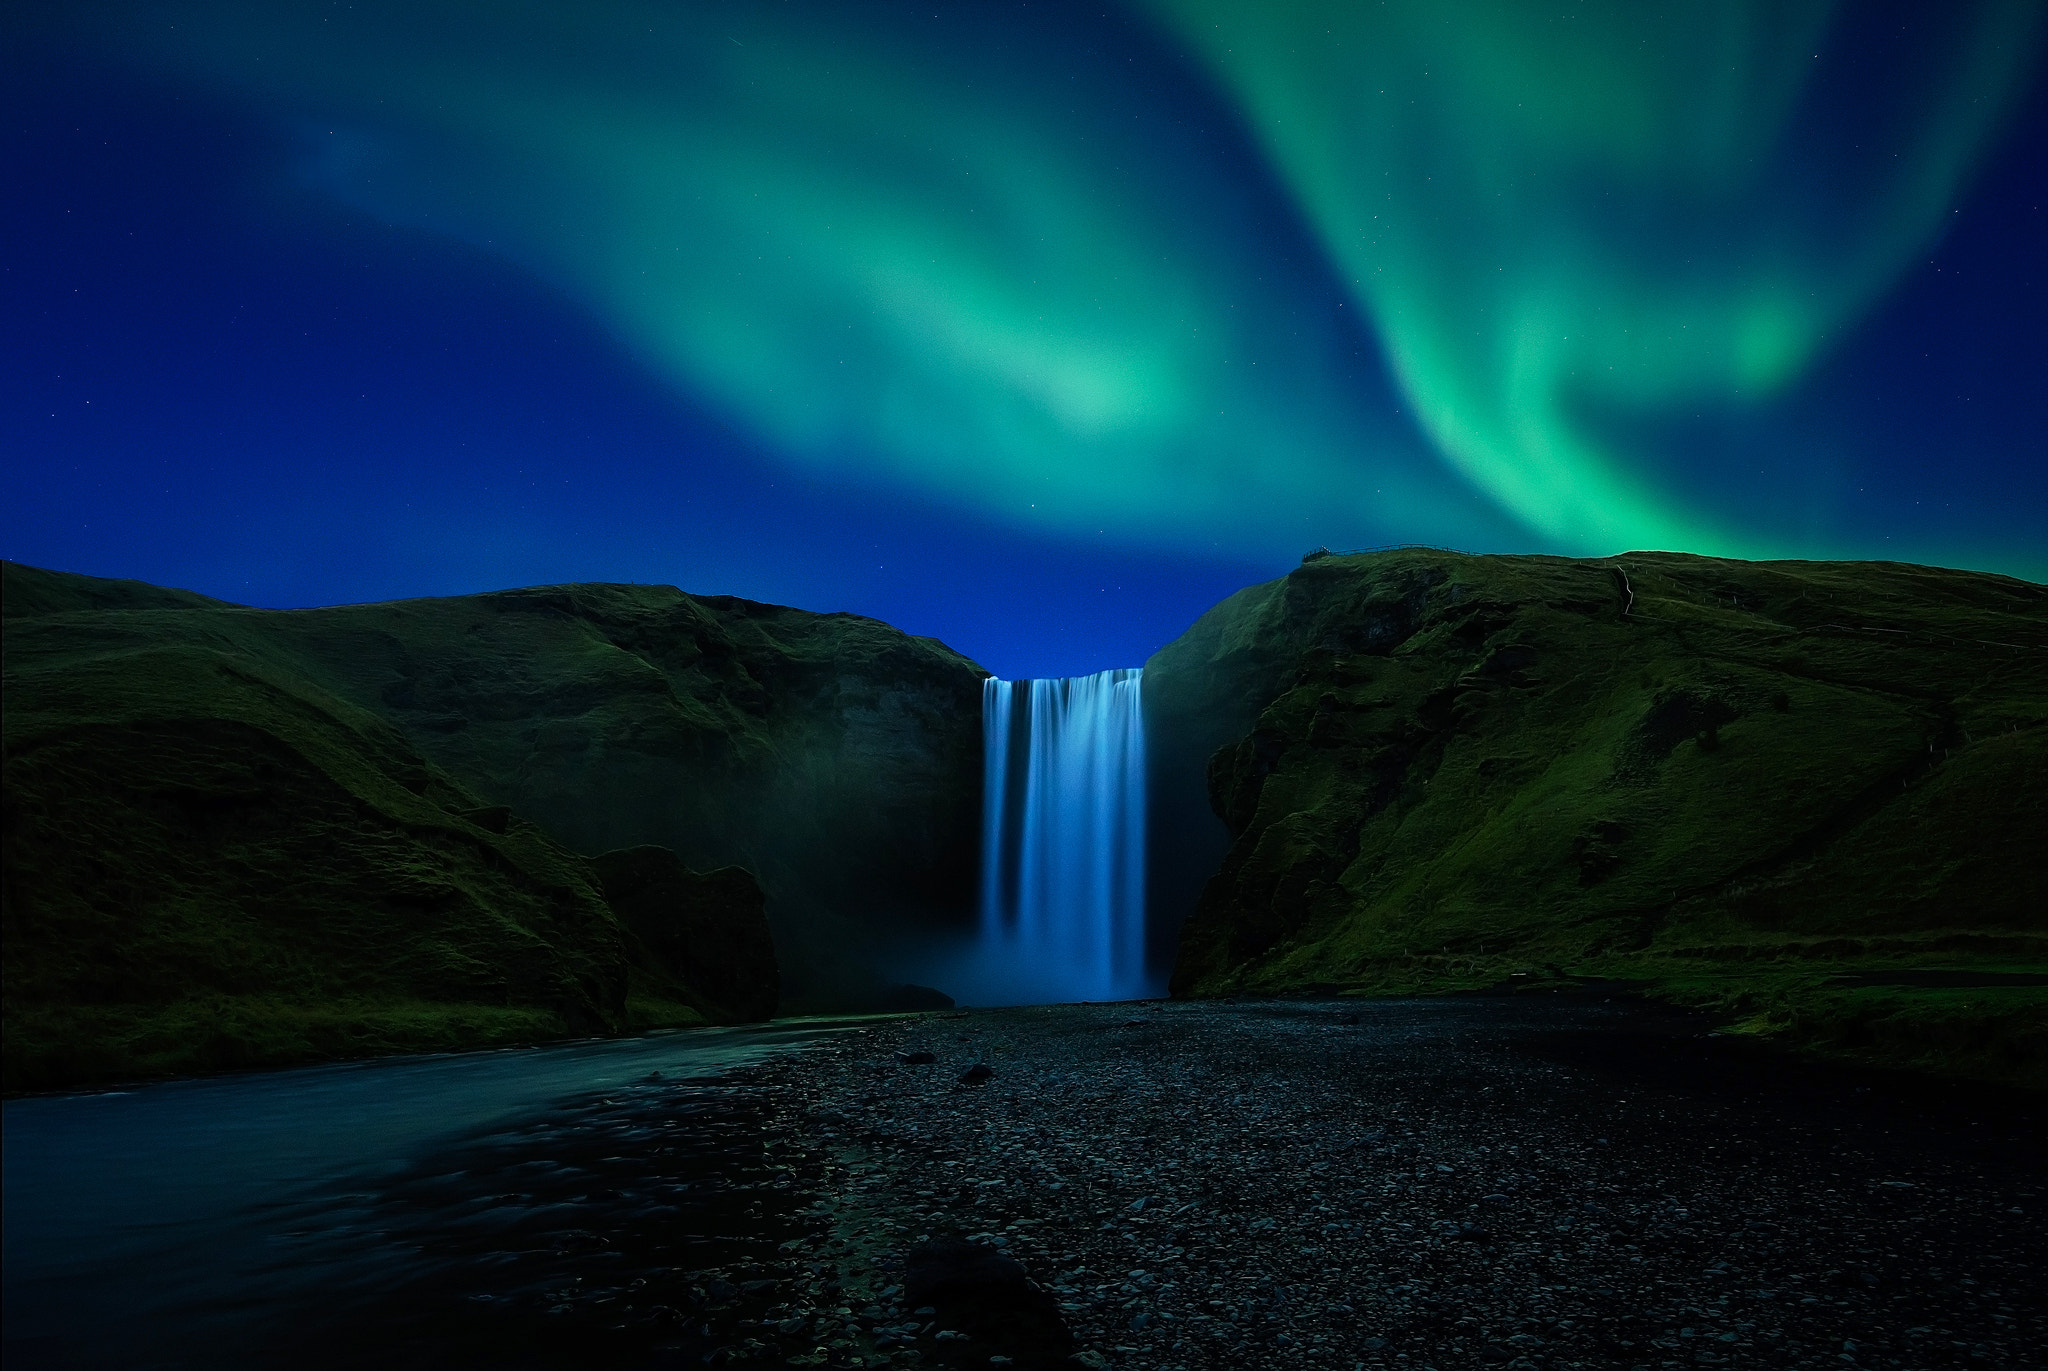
point(910, 999)
point(985, 1297)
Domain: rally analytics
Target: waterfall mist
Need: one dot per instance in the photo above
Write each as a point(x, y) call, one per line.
point(1063, 844)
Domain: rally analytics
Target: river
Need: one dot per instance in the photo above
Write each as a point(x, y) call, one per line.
point(186, 1222)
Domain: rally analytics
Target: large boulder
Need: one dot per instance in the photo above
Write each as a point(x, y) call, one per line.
point(705, 932)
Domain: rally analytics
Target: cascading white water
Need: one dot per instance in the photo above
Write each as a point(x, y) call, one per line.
point(1063, 840)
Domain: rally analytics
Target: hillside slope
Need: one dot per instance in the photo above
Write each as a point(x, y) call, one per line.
point(834, 757)
point(1814, 794)
point(212, 863)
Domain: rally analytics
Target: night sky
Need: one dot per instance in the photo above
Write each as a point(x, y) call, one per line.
point(1036, 328)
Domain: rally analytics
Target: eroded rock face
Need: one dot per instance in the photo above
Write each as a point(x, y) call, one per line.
point(1431, 769)
point(706, 932)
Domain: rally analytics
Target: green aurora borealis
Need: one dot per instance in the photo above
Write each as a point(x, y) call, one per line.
point(964, 256)
point(1613, 212)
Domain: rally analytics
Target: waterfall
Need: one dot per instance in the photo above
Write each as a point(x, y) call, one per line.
point(1063, 839)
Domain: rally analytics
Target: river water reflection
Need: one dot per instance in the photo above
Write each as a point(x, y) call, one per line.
point(180, 1223)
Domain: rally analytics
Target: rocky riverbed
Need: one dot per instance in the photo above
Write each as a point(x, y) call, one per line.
point(1524, 1182)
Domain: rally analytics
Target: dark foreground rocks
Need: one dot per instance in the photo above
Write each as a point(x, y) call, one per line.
point(1527, 1182)
point(983, 1294)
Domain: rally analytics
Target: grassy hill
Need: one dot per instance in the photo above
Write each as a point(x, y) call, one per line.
point(211, 862)
point(1812, 795)
point(834, 757)
point(240, 837)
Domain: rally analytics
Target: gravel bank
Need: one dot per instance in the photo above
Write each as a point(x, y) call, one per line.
point(1444, 1183)
point(1517, 1182)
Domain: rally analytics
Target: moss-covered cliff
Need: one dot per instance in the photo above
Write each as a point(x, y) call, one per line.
point(211, 863)
point(1815, 794)
point(241, 837)
point(835, 757)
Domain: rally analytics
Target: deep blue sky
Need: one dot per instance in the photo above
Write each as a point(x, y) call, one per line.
point(229, 367)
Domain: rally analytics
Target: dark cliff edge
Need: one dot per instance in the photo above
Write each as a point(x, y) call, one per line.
point(239, 837)
point(1812, 796)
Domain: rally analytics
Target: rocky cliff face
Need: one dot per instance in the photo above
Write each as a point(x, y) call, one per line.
point(1797, 789)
